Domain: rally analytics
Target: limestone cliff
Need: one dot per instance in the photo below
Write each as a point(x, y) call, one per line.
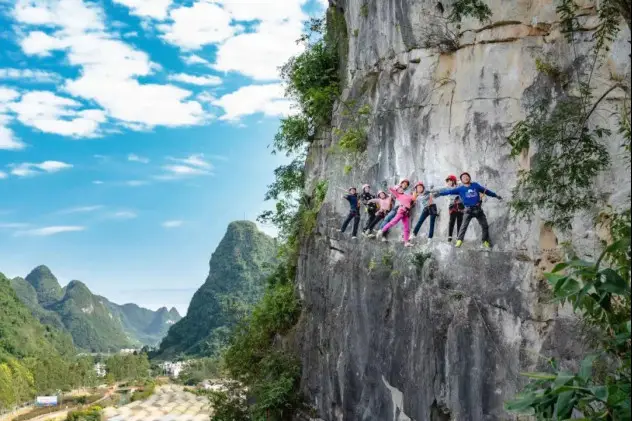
point(436, 333)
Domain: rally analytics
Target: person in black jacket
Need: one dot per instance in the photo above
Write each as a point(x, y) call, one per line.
point(371, 208)
point(354, 212)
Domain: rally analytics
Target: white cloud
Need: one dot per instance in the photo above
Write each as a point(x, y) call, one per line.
point(196, 80)
point(108, 66)
point(195, 160)
point(124, 215)
point(8, 140)
point(194, 59)
point(200, 24)
point(3, 175)
point(54, 114)
point(29, 75)
point(135, 158)
point(172, 224)
point(184, 170)
point(27, 169)
point(146, 104)
point(156, 9)
point(136, 183)
point(73, 15)
point(47, 231)
point(97, 182)
point(82, 209)
point(265, 10)
point(206, 97)
point(260, 54)
point(267, 99)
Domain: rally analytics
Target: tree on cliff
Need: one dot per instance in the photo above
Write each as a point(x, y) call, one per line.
point(571, 153)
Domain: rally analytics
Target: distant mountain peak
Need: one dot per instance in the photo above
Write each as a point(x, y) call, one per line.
point(237, 270)
point(45, 284)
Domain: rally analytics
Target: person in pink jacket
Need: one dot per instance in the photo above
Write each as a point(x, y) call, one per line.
point(403, 213)
point(384, 203)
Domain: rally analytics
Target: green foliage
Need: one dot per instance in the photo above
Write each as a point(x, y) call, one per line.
point(347, 169)
point(198, 370)
point(387, 260)
point(270, 373)
point(420, 259)
point(128, 366)
point(144, 391)
point(312, 81)
point(569, 157)
point(45, 284)
point(293, 135)
point(364, 10)
point(570, 152)
point(469, 8)
point(356, 32)
point(547, 68)
point(236, 280)
point(229, 405)
point(353, 139)
point(600, 292)
point(94, 413)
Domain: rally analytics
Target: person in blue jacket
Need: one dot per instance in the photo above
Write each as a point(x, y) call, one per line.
point(354, 212)
point(470, 194)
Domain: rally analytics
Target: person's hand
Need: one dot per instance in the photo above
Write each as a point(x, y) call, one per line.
point(499, 197)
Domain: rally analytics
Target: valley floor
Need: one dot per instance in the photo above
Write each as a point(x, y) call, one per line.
point(169, 403)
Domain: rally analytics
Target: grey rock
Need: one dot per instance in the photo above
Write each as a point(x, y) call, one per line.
point(382, 339)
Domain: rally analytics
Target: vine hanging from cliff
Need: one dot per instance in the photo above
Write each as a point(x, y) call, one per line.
point(570, 149)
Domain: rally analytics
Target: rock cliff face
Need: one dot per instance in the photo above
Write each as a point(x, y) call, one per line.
point(436, 333)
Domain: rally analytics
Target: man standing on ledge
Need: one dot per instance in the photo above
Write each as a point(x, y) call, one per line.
point(470, 194)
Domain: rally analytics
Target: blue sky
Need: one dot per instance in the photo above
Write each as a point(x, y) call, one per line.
point(133, 131)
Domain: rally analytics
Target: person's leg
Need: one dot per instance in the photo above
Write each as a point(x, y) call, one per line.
point(482, 220)
point(346, 221)
point(393, 222)
point(388, 218)
point(433, 217)
point(466, 222)
point(451, 225)
point(369, 221)
point(406, 223)
point(459, 221)
point(422, 218)
point(378, 217)
point(356, 222)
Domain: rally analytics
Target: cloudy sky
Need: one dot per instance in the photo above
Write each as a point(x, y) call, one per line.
point(133, 131)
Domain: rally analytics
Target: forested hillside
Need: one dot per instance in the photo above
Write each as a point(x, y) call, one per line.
point(95, 323)
point(237, 271)
point(33, 357)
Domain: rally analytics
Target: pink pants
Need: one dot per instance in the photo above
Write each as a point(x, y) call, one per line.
point(401, 216)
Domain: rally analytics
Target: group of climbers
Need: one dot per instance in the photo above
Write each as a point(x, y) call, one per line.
point(465, 200)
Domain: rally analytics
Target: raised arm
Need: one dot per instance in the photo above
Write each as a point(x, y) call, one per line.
point(394, 191)
point(448, 192)
point(485, 190)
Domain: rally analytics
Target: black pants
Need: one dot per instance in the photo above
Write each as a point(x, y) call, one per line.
point(355, 215)
point(475, 212)
point(371, 218)
point(455, 217)
point(373, 221)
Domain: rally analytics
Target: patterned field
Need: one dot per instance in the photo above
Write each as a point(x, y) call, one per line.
point(169, 403)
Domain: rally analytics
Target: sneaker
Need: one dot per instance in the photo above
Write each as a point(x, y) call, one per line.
point(408, 244)
point(449, 239)
point(384, 239)
point(354, 237)
point(458, 243)
point(486, 245)
point(372, 235)
point(380, 234)
point(412, 237)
